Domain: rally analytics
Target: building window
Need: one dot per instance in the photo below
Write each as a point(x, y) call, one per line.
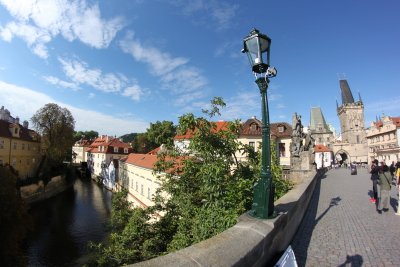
point(148, 193)
point(281, 129)
point(137, 186)
point(1, 144)
point(1, 162)
point(358, 139)
point(282, 150)
point(115, 149)
point(253, 127)
point(16, 130)
point(29, 146)
point(125, 150)
point(23, 146)
point(15, 145)
point(141, 190)
point(14, 162)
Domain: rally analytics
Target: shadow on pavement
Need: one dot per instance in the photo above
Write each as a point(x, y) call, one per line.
point(302, 238)
point(353, 261)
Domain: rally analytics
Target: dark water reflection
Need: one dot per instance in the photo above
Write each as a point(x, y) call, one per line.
point(66, 223)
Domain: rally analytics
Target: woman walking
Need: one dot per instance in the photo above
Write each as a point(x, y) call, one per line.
point(374, 178)
point(385, 180)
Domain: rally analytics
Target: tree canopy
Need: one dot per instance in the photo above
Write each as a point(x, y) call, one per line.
point(88, 135)
point(159, 133)
point(56, 125)
point(207, 190)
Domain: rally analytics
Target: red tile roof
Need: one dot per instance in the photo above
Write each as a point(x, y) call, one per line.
point(142, 160)
point(321, 148)
point(395, 120)
point(219, 126)
point(148, 161)
point(109, 143)
point(253, 127)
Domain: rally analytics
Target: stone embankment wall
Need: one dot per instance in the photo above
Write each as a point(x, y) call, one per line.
point(38, 192)
point(251, 242)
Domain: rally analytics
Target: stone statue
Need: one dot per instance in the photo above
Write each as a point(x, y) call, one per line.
point(300, 141)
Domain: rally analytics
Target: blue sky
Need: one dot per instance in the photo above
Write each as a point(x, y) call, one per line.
point(119, 65)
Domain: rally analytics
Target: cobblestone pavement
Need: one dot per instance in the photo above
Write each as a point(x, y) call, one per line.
point(343, 228)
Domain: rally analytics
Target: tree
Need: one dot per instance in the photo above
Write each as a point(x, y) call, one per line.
point(141, 144)
point(161, 133)
point(14, 220)
point(56, 125)
point(207, 189)
point(88, 135)
point(128, 138)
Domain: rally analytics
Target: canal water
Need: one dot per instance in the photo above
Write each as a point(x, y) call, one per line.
point(63, 225)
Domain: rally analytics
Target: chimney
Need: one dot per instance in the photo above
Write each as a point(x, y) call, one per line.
point(25, 124)
point(17, 120)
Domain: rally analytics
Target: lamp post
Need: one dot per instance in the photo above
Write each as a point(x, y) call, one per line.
point(257, 47)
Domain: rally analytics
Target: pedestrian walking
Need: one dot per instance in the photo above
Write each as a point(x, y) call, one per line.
point(374, 178)
point(392, 169)
point(398, 186)
point(385, 183)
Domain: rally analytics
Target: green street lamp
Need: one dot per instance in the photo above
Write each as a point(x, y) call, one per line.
point(257, 47)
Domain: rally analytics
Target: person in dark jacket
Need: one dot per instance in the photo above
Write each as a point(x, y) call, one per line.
point(374, 177)
point(385, 182)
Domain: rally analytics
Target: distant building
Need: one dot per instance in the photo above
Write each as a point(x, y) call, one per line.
point(79, 151)
point(353, 145)
point(383, 139)
point(136, 175)
point(102, 152)
point(20, 147)
point(280, 134)
point(323, 156)
point(182, 141)
point(319, 129)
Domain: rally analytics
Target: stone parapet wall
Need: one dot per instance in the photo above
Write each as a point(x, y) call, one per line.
point(251, 242)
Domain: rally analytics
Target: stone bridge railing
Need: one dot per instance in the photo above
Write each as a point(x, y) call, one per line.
point(251, 242)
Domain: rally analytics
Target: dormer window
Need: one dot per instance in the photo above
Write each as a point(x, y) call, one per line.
point(115, 149)
point(125, 150)
point(281, 129)
point(253, 127)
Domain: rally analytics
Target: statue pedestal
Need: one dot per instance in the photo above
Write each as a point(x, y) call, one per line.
point(302, 166)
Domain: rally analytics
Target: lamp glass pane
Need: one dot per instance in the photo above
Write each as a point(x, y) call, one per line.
point(264, 43)
point(253, 51)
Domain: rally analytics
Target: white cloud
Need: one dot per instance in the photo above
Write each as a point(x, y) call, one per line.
point(134, 92)
point(57, 81)
point(80, 73)
point(91, 95)
point(244, 105)
point(37, 22)
point(24, 103)
point(174, 72)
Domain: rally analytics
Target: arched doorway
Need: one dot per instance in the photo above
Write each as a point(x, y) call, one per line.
point(342, 158)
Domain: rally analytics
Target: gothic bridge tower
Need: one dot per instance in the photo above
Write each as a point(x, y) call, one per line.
point(353, 144)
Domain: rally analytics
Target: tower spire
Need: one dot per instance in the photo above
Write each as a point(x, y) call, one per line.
point(347, 96)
